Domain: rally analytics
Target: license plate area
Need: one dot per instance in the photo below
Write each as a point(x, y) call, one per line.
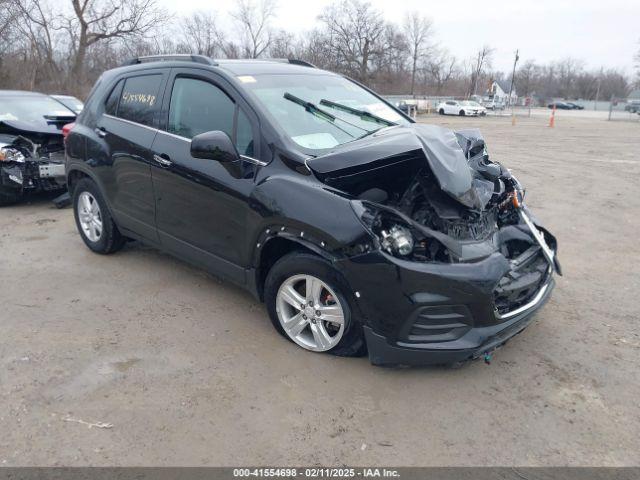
point(49, 170)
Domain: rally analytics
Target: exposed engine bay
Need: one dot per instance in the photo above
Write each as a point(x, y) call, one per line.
point(30, 165)
point(461, 208)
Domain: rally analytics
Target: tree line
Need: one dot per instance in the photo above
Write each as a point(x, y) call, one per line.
point(63, 46)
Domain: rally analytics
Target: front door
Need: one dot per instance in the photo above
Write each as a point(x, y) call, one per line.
point(202, 205)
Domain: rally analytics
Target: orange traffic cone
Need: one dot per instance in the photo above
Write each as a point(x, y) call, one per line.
point(552, 119)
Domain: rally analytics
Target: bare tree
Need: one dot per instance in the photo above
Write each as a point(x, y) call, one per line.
point(8, 13)
point(254, 19)
point(283, 45)
point(37, 25)
point(568, 70)
point(418, 30)
point(104, 20)
point(526, 77)
point(200, 34)
point(481, 60)
point(355, 30)
point(637, 64)
point(441, 68)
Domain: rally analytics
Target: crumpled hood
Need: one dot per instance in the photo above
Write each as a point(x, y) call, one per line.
point(444, 150)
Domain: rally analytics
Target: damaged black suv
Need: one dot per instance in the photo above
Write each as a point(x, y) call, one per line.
point(360, 229)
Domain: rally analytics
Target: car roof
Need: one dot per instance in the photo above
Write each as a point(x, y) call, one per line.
point(70, 97)
point(258, 67)
point(232, 67)
point(20, 93)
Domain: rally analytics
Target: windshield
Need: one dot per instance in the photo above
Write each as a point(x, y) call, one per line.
point(31, 109)
point(321, 111)
point(70, 102)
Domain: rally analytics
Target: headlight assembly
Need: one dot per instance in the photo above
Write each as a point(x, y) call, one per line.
point(8, 154)
point(397, 240)
point(399, 235)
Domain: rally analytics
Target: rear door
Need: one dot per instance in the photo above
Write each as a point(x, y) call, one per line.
point(202, 205)
point(128, 128)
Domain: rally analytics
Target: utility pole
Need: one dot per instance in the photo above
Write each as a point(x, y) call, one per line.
point(595, 103)
point(513, 75)
point(513, 78)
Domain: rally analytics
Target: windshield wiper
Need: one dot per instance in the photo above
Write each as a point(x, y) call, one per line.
point(320, 113)
point(363, 114)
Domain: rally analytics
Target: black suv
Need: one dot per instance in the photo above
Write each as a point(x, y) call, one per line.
point(360, 229)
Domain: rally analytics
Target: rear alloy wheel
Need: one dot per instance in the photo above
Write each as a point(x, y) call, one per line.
point(90, 216)
point(93, 219)
point(310, 313)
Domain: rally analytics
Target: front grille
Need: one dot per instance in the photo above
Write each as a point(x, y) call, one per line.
point(518, 287)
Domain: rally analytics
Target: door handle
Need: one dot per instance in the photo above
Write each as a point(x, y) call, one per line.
point(101, 132)
point(163, 160)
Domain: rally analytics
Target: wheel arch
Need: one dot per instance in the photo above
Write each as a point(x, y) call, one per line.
point(276, 247)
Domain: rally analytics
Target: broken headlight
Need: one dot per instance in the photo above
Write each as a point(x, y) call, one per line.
point(397, 240)
point(398, 235)
point(393, 234)
point(8, 154)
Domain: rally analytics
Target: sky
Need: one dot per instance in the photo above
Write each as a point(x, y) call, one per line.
point(601, 33)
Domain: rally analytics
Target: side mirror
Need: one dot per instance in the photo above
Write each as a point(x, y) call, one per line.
point(215, 145)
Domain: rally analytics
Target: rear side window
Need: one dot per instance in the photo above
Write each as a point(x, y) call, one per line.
point(139, 99)
point(111, 105)
point(197, 107)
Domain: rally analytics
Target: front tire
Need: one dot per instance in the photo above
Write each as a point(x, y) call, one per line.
point(9, 198)
point(310, 304)
point(441, 111)
point(93, 219)
point(461, 113)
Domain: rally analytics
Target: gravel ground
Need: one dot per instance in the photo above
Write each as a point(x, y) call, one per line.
point(140, 359)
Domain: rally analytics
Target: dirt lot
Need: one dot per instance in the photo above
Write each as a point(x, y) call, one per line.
point(189, 371)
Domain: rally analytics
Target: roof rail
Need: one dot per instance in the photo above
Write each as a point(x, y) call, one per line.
point(174, 57)
point(292, 61)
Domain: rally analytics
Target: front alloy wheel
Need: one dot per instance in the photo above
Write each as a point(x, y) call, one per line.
point(310, 313)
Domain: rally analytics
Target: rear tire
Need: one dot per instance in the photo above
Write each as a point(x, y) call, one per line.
point(93, 219)
point(298, 265)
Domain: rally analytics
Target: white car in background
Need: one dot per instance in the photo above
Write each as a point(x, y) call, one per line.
point(461, 108)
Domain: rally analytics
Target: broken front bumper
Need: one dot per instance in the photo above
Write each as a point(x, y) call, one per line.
point(16, 178)
point(436, 313)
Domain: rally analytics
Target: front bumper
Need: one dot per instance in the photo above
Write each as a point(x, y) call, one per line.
point(16, 178)
point(437, 313)
point(476, 342)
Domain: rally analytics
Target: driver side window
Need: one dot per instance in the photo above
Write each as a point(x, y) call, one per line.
point(198, 106)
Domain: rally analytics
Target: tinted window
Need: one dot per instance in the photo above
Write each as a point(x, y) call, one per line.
point(197, 107)
point(244, 135)
point(111, 105)
point(139, 99)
